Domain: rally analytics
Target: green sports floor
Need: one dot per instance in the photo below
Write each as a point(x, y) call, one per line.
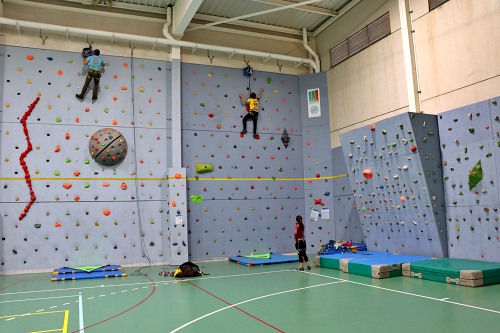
point(237, 298)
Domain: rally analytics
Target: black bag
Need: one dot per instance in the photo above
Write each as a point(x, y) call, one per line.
point(187, 269)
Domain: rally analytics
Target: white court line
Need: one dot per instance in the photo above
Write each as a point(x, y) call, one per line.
point(445, 300)
point(251, 300)
point(147, 284)
point(80, 312)
point(36, 299)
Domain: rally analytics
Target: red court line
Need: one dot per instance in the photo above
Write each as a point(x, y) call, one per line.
point(10, 285)
point(119, 314)
point(235, 307)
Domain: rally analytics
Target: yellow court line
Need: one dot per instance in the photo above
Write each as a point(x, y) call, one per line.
point(32, 314)
point(54, 330)
point(186, 178)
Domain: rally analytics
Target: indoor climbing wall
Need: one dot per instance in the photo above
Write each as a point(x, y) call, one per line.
point(346, 219)
point(58, 206)
point(244, 192)
point(470, 143)
point(317, 162)
point(394, 167)
point(2, 65)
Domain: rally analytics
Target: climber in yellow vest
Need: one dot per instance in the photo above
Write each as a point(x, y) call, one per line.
point(253, 112)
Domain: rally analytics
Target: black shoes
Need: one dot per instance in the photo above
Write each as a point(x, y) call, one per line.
point(308, 268)
point(301, 269)
point(79, 96)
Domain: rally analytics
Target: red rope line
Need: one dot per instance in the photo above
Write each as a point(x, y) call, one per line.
point(23, 155)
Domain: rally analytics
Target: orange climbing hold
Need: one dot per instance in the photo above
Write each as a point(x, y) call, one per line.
point(57, 225)
point(76, 173)
point(58, 149)
point(105, 185)
point(106, 212)
point(124, 88)
point(30, 57)
point(173, 204)
point(67, 136)
point(67, 186)
point(76, 198)
point(124, 186)
point(60, 72)
point(177, 176)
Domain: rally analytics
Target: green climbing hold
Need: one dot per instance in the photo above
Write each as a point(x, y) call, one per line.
point(70, 61)
point(202, 104)
point(471, 130)
point(86, 185)
point(384, 132)
point(197, 199)
point(268, 80)
point(57, 173)
point(86, 161)
point(68, 160)
point(58, 120)
point(475, 175)
point(106, 110)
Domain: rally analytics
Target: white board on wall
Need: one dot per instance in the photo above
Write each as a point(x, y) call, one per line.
point(313, 104)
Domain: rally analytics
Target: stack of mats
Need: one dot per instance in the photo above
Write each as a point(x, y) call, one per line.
point(87, 272)
point(470, 273)
point(264, 259)
point(329, 248)
point(377, 265)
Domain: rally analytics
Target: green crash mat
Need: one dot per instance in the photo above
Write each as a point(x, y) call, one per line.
point(470, 273)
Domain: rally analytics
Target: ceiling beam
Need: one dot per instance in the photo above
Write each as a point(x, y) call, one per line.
point(231, 19)
point(254, 25)
point(182, 15)
point(342, 11)
point(305, 8)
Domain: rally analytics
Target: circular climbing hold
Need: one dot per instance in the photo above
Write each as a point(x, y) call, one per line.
point(106, 212)
point(108, 147)
point(367, 173)
point(413, 149)
point(373, 127)
point(124, 186)
point(30, 57)
point(402, 198)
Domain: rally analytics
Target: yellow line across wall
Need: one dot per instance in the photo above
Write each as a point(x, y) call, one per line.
point(186, 178)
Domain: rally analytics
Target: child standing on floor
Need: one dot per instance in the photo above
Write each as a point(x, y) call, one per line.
point(300, 243)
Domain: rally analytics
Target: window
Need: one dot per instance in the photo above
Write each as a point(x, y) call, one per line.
point(365, 37)
point(436, 3)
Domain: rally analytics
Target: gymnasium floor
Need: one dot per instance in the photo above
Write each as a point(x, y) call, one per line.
point(237, 298)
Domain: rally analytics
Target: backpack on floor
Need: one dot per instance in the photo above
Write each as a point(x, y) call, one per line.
point(187, 269)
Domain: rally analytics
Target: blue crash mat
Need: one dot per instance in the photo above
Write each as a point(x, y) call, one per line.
point(274, 258)
point(377, 265)
point(74, 270)
point(85, 275)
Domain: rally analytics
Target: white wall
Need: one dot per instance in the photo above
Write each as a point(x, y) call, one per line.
point(457, 61)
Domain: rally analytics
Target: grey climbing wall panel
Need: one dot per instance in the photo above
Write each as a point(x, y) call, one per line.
point(347, 223)
point(250, 199)
point(468, 135)
point(84, 214)
point(401, 206)
point(317, 163)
